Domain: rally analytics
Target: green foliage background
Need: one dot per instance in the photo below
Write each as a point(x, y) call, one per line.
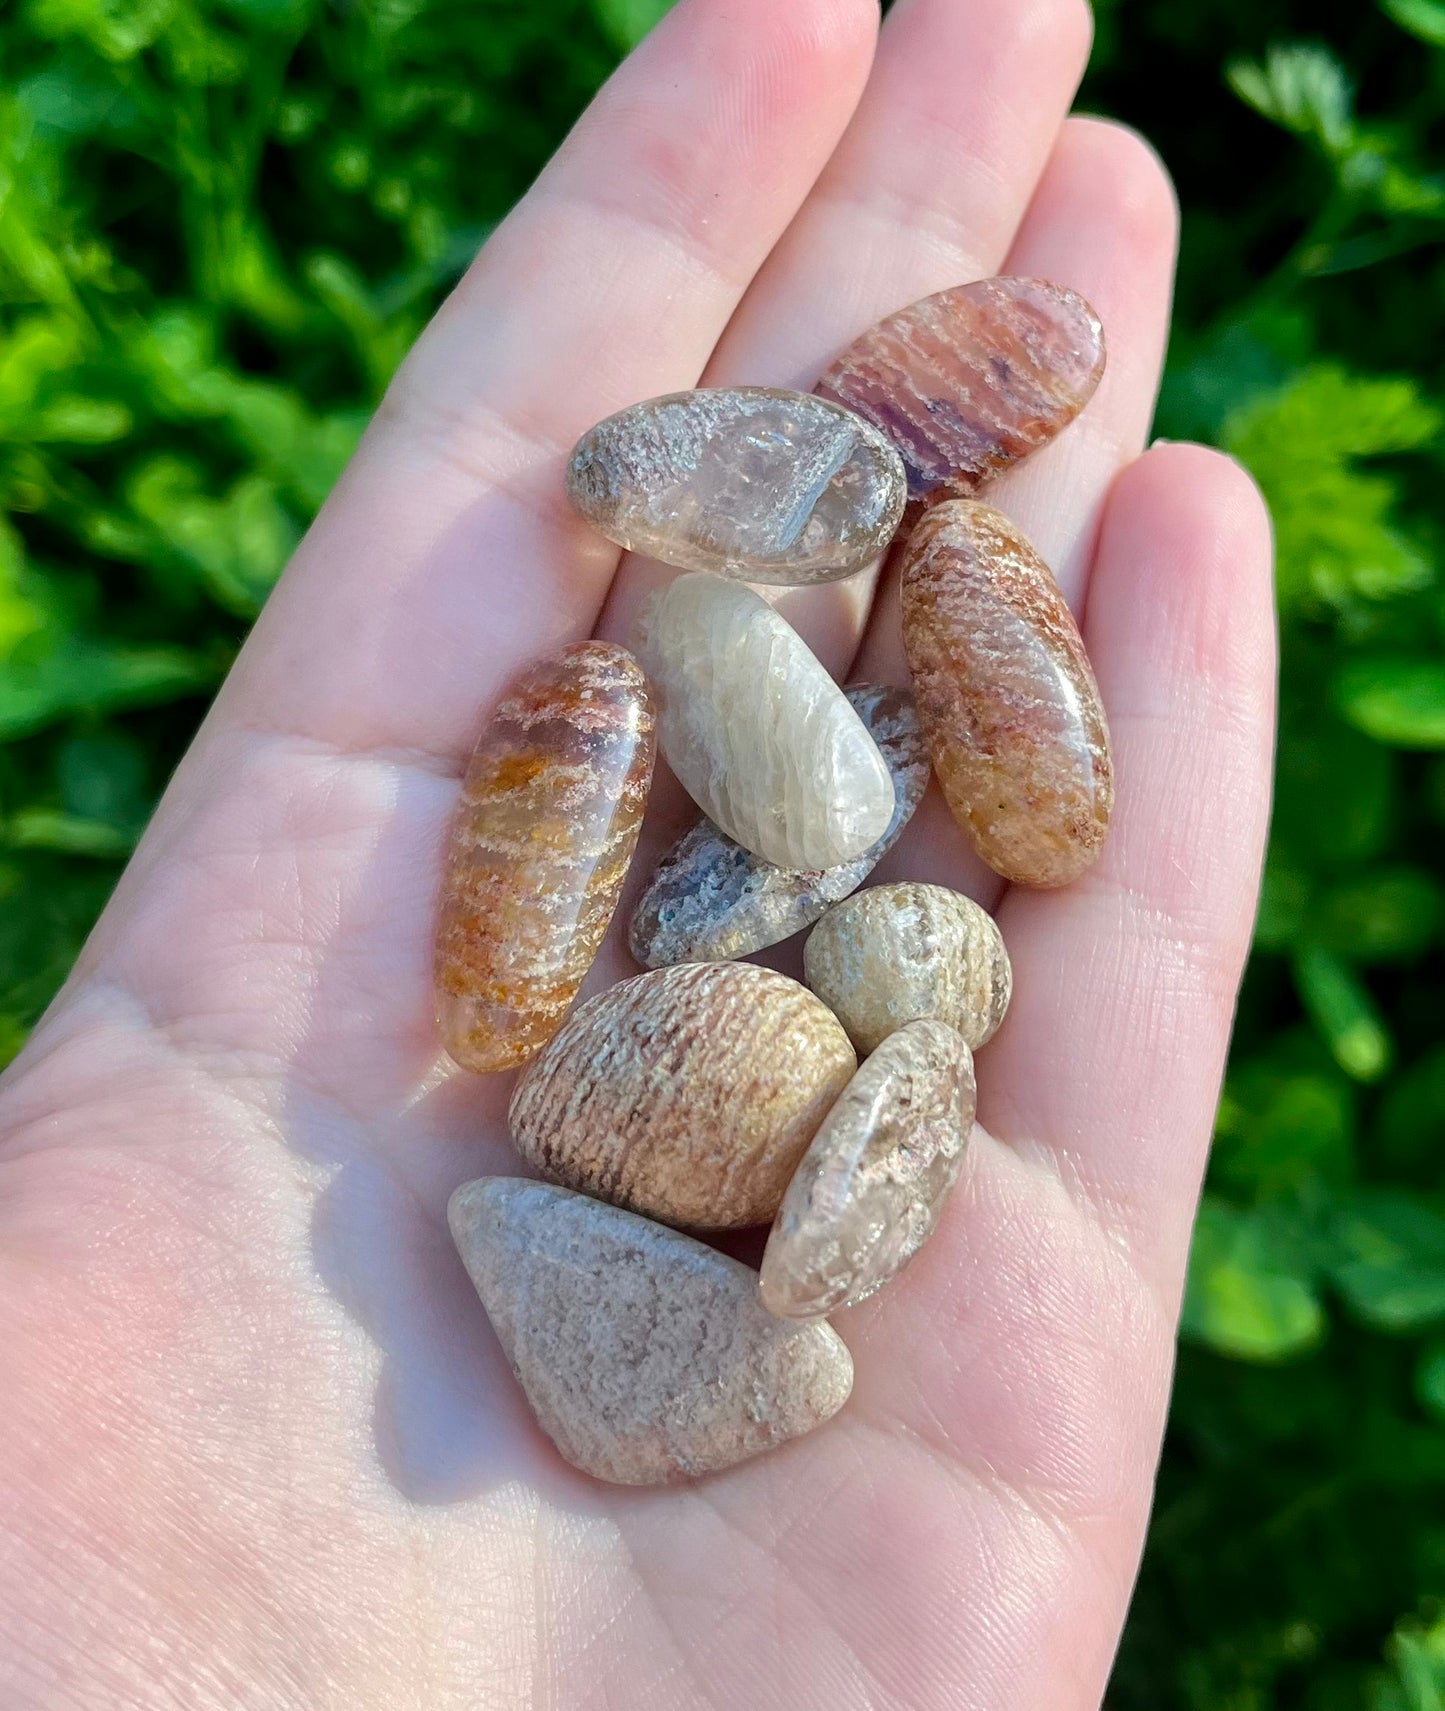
point(222, 221)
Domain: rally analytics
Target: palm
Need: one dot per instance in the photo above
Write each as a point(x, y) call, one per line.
point(265, 1451)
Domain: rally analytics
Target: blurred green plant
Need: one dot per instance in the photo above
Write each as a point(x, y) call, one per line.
point(223, 221)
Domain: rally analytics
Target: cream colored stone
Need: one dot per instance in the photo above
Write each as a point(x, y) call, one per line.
point(895, 953)
point(760, 735)
point(872, 1184)
point(646, 1356)
point(749, 481)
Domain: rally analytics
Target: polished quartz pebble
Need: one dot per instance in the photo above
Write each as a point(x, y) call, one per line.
point(759, 734)
point(1005, 695)
point(872, 1184)
point(689, 1093)
point(969, 381)
point(894, 953)
point(749, 481)
point(645, 1356)
point(547, 822)
point(711, 900)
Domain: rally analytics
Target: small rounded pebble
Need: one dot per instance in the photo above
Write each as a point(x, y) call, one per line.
point(895, 953)
point(872, 1184)
point(758, 733)
point(645, 1356)
point(749, 481)
point(711, 900)
point(688, 1093)
point(1006, 695)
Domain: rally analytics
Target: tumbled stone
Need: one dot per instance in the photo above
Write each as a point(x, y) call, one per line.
point(711, 900)
point(1005, 695)
point(872, 1184)
point(749, 481)
point(969, 381)
point(688, 1093)
point(894, 953)
point(547, 822)
point(645, 1356)
point(760, 736)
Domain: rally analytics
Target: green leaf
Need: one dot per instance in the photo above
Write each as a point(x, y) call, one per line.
point(1302, 88)
point(73, 675)
point(628, 21)
point(1248, 1296)
point(1279, 1133)
point(1391, 1269)
point(1389, 915)
point(1422, 18)
point(1430, 1380)
point(1395, 701)
point(66, 834)
point(1344, 1013)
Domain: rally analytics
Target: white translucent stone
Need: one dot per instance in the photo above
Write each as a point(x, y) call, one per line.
point(761, 737)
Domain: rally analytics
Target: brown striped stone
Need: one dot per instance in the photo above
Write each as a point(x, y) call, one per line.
point(1006, 696)
point(872, 1184)
point(969, 381)
point(548, 819)
point(688, 1093)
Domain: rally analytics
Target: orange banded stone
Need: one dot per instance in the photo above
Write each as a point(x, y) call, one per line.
point(548, 820)
point(1005, 695)
point(970, 380)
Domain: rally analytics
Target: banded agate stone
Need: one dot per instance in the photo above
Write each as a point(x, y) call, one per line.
point(688, 1094)
point(898, 953)
point(756, 730)
point(711, 900)
point(645, 1356)
point(748, 481)
point(1005, 695)
point(872, 1184)
point(969, 381)
point(550, 809)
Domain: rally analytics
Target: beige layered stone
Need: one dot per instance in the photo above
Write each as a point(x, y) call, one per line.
point(895, 953)
point(872, 1184)
point(760, 735)
point(646, 1357)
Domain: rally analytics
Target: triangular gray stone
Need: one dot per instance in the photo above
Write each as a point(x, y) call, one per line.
point(645, 1355)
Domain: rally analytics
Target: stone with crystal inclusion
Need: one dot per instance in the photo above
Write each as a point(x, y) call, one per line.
point(749, 481)
point(896, 953)
point(645, 1356)
point(758, 733)
point(969, 381)
point(1005, 695)
point(711, 900)
point(871, 1186)
point(550, 809)
point(688, 1093)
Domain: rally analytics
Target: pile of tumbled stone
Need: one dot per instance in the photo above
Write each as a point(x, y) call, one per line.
point(710, 1093)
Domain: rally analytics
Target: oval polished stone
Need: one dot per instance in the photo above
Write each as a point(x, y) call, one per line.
point(689, 1093)
point(711, 900)
point(749, 481)
point(757, 732)
point(1005, 695)
point(894, 953)
point(969, 381)
point(645, 1356)
point(548, 819)
point(872, 1184)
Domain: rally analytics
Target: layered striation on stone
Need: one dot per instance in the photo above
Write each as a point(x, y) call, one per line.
point(758, 733)
point(646, 1357)
point(711, 900)
point(894, 954)
point(870, 1188)
point(687, 1093)
point(967, 382)
point(550, 809)
point(1006, 696)
point(748, 481)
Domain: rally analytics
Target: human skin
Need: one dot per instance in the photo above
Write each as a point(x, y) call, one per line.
point(259, 1449)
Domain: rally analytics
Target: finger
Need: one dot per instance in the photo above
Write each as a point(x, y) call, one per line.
point(1125, 982)
point(448, 554)
point(925, 190)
